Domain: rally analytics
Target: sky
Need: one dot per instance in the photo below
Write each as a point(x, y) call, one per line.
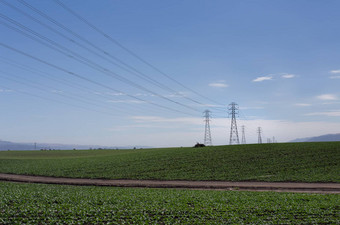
point(141, 73)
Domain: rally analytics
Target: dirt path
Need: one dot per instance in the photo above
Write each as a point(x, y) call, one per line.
point(325, 188)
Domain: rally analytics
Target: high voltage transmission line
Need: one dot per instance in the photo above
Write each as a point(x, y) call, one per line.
point(63, 50)
point(106, 53)
point(84, 78)
point(127, 67)
point(99, 52)
point(129, 51)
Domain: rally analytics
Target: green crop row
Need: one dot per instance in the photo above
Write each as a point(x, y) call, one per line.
point(308, 162)
point(51, 204)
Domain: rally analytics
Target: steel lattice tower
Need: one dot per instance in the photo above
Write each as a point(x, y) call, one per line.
point(233, 110)
point(259, 131)
point(207, 134)
point(243, 136)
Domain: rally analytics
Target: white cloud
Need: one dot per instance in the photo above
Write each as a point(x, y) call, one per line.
point(125, 101)
point(334, 71)
point(329, 113)
point(219, 84)
point(287, 76)
point(252, 107)
point(302, 104)
point(5, 90)
point(327, 97)
point(115, 93)
point(57, 91)
point(176, 120)
point(260, 79)
point(335, 77)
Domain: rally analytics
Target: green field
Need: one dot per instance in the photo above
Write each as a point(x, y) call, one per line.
point(307, 162)
point(51, 204)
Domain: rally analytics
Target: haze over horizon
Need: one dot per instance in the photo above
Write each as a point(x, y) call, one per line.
point(131, 73)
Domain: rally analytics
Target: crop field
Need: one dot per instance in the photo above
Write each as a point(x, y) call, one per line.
point(307, 162)
point(51, 204)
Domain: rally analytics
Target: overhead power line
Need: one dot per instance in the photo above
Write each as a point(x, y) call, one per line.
point(129, 51)
point(86, 79)
point(75, 56)
point(75, 85)
point(125, 66)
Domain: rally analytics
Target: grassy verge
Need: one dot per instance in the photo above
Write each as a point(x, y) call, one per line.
point(50, 204)
point(307, 162)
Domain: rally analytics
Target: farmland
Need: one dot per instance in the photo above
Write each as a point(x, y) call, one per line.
point(51, 204)
point(303, 162)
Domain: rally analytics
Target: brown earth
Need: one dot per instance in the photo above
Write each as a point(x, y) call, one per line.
point(326, 188)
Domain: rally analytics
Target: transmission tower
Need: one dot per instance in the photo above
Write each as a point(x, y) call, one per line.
point(233, 110)
point(259, 131)
point(243, 136)
point(207, 134)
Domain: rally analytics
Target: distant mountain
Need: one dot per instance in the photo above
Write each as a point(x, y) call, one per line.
point(6, 145)
point(327, 137)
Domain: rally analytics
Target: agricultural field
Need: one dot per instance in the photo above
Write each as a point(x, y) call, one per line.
point(52, 204)
point(300, 162)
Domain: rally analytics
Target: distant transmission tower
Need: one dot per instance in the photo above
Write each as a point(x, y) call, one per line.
point(233, 110)
point(243, 136)
point(207, 134)
point(259, 131)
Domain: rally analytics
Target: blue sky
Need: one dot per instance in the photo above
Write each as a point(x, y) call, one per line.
point(279, 60)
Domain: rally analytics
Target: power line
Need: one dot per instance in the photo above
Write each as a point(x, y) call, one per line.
point(128, 50)
point(58, 101)
point(86, 79)
point(45, 88)
point(84, 60)
point(127, 67)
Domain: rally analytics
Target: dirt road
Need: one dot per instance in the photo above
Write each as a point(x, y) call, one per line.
point(326, 188)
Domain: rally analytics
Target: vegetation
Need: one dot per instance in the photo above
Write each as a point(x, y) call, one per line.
point(51, 204)
point(307, 162)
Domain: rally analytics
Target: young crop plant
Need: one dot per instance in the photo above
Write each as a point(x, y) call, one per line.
point(51, 204)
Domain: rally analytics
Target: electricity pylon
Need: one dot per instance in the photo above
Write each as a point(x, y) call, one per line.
point(233, 110)
point(243, 136)
point(207, 134)
point(259, 131)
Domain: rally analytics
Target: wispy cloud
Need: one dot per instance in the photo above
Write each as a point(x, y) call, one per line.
point(158, 119)
point(327, 97)
point(115, 93)
point(328, 113)
point(57, 91)
point(219, 84)
point(251, 107)
point(334, 71)
point(178, 94)
point(288, 76)
point(5, 90)
point(302, 104)
point(126, 101)
point(335, 77)
point(260, 79)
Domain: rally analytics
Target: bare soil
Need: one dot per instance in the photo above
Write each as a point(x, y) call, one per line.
point(325, 188)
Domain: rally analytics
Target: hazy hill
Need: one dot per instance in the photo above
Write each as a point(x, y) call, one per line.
point(327, 137)
point(6, 145)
